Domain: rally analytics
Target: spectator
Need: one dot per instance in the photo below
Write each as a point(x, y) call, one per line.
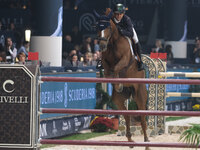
point(11, 51)
point(94, 59)
point(98, 55)
point(17, 34)
point(65, 60)
point(2, 56)
point(196, 50)
point(72, 52)
point(21, 58)
point(24, 48)
point(79, 54)
point(168, 50)
point(74, 61)
point(67, 44)
point(158, 47)
point(86, 46)
point(87, 59)
point(96, 45)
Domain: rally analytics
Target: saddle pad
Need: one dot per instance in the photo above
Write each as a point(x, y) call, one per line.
point(130, 44)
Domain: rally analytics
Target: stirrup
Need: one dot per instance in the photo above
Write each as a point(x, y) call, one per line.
point(140, 66)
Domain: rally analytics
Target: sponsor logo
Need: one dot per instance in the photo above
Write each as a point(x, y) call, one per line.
point(66, 125)
point(8, 87)
point(43, 130)
point(86, 21)
point(54, 131)
point(77, 124)
point(87, 121)
point(6, 83)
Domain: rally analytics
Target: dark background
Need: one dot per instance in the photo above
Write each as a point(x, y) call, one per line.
point(80, 13)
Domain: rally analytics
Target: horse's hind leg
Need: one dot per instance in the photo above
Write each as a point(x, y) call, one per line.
point(141, 100)
point(119, 100)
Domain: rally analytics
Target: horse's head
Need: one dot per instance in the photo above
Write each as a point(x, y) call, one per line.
point(104, 28)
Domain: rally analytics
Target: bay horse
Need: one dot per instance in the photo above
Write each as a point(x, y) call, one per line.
point(118, 62)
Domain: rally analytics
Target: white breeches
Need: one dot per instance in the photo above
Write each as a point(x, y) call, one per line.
point(135, 37)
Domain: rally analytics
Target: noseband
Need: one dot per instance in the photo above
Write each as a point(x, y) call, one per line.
point(106, 39)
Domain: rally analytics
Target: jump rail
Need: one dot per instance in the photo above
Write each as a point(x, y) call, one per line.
point(121, 112)
point(116, 143)
point(180, 74)
point(177, 94)
point(120, 80)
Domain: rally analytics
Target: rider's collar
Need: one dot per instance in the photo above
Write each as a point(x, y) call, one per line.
point(116, 21)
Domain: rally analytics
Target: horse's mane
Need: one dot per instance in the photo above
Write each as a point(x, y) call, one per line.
point(108, 10)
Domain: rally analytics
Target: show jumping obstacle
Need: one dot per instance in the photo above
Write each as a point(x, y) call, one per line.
point(120, 112)
point(177, 94)
point(29, 115)
point(161, 96)
point(116, 143)
point(180, 74)
point(121, 80)
point(114, 112)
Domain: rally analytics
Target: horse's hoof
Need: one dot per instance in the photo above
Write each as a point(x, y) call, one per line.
point(133, 142)
point(147, 140)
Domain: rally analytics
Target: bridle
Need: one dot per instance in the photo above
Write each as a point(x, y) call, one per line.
point(102, 38)
point(102, 24)
point(109, 30)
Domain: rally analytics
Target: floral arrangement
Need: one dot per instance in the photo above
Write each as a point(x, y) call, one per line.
point(196, 107)
point(101, 124)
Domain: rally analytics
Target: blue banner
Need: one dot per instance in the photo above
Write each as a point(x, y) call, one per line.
point(68, 94)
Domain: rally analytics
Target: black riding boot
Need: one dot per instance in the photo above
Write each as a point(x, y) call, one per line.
point(140, 63)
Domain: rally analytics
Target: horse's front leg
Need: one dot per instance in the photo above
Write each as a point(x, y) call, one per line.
point(108, 72)
point(118, 67)
point(118, 86)
point(124, 61)
point(128, 131)
point(119, 100)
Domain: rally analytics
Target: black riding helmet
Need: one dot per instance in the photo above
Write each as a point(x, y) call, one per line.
point(119, 8)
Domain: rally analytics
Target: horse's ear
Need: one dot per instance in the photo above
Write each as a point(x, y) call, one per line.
point(96, 14)
point(110, 14)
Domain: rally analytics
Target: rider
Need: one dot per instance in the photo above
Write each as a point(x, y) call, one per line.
point(125, 27)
